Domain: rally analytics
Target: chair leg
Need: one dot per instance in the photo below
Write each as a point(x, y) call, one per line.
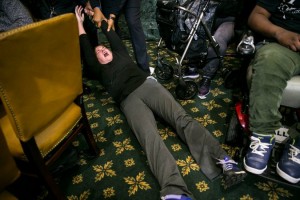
point(35, 158)
point(88, 134)
point(89, 137)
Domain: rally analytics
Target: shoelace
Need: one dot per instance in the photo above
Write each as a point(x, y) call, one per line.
point(256, 143)
point(293, 153)
point(227, 164)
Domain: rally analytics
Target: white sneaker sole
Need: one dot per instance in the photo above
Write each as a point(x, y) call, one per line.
point(203, 96)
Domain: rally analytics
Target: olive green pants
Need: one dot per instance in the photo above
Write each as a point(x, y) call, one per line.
point(273, 65)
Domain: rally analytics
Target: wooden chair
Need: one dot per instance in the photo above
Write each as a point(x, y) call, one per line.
point(41, 93)
point(8, 170)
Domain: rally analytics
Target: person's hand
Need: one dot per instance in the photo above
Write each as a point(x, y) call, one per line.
point(88, 9)
point(110, 24)
point(80, 18)
point(288, 39)
point(79, 14)
point(98, 17)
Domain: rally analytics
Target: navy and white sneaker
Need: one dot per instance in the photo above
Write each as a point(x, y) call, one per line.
point(232, 174)
point(288, 166)
point(258, 154)
point(175, 197)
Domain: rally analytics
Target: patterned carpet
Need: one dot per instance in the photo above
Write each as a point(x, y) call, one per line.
point(121, 171)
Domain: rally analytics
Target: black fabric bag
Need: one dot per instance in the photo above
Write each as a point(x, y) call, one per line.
point(175, 25)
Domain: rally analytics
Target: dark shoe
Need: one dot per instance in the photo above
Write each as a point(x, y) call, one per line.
point(204, 88)
point(232, 174)
point(259, 152)
point(288, 166)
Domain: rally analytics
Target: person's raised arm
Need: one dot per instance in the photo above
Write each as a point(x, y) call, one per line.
point(115, 9)
point(88, 53)
point(80, 18)
point(97, 15)
point(114, 40)
point(259, 21)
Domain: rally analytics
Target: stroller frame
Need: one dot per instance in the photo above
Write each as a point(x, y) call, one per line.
point(186, 88)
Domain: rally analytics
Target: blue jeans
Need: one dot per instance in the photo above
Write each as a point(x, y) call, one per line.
point(273, 65)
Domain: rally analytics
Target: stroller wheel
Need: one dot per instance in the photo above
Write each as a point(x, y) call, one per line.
point(164, 72)
point(187, 90)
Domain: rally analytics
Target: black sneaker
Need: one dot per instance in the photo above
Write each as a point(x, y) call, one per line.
point(232, 174)
point(204, 88)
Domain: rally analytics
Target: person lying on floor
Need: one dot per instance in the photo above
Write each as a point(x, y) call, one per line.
point(139, 97)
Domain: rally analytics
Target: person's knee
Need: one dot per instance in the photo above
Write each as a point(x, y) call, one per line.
point(269, 58)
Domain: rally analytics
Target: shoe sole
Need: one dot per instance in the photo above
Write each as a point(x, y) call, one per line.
point(253, 170)
point(203, 96)
point(233, 179)
point(192, 77)
point(285, 176)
